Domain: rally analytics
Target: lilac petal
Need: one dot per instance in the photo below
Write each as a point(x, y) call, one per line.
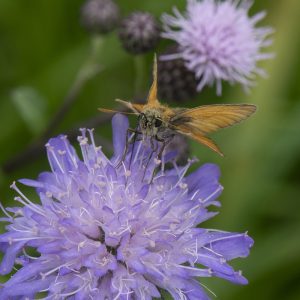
point(48, 177)
point(52, 247)
point(120, 125)
point(187, 289)
point(9, 258)
point(61, 154)
point(26, 273)
point(105, 287)
point(144, 191)
point(233, 245)
point(111, 172)
point(32, 183)
point(206, 175)
point(26, 288)
point(217, 264)
point(170, 156)
point(236, 277)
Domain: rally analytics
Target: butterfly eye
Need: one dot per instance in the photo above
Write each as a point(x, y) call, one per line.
point(157, 123)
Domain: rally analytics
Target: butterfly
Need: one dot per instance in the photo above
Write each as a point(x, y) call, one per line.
point(161, 122)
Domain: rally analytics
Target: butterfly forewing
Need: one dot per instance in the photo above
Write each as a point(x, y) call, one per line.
point(210, 118)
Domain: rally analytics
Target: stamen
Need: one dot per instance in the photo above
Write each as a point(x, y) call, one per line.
point(67, 147)
point(52, 152)
point(227, 237)
point(83, 142)
point(35, 238)
point(5, 212)
point(66, 265)
point(220, 188)
point(27, 255)
point(209, 290)
point(183, 173)
point(32, 207)
point(212, 251)
point(92, 138)
point(74, 292)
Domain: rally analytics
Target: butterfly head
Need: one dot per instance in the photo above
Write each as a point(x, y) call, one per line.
point(150, 122)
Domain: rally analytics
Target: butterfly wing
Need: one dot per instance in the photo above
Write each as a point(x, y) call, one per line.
point(198, 122)
point(210, 118)
point(204, 140)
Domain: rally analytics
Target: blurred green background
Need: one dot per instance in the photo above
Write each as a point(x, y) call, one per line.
point(43, 47)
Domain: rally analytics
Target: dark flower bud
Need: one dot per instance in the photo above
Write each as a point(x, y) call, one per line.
point(139, 32)
point(179, 143)
point(100, 16)
point(175, 81)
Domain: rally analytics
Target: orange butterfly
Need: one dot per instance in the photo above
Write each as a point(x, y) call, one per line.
point(161, 122)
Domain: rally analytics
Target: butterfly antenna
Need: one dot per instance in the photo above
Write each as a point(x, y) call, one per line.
point(112, 111)
point(152, 96)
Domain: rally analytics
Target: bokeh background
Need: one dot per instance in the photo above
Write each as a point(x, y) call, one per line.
point(43, 50)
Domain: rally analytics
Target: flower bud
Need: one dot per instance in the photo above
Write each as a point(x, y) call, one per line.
point(175, 81)
point(100, 16)
point(139, 32)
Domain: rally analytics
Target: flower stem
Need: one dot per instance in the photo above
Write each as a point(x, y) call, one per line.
point(89, 69)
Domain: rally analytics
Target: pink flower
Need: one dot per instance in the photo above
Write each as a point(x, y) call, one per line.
point(219, 41)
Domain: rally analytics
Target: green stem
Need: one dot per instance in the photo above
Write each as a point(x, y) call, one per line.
point(89, 69)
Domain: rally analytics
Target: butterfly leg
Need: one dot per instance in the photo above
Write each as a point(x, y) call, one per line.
point(165, 143)
point(128, 141)
point(153, 150)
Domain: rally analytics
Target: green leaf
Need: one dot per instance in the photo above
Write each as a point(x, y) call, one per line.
point(31, 107)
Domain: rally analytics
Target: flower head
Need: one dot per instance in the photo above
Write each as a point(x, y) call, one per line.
point(139, 32)
point(219, 41)
point(106, 232)
point(100, 16)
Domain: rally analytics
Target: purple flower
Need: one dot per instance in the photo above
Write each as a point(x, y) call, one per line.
point(107, 232)
point(219, 41)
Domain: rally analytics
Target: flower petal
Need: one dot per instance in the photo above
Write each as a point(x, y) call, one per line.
point(120, 125)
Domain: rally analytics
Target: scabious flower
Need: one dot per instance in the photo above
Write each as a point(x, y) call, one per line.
point(219, 41)
point(103, 230)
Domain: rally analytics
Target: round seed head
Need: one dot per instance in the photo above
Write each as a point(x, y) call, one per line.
point(100, 16)
point(139, 32)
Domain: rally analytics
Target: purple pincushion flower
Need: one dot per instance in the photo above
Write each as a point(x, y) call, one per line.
point(219, 41)
point(105, 232)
